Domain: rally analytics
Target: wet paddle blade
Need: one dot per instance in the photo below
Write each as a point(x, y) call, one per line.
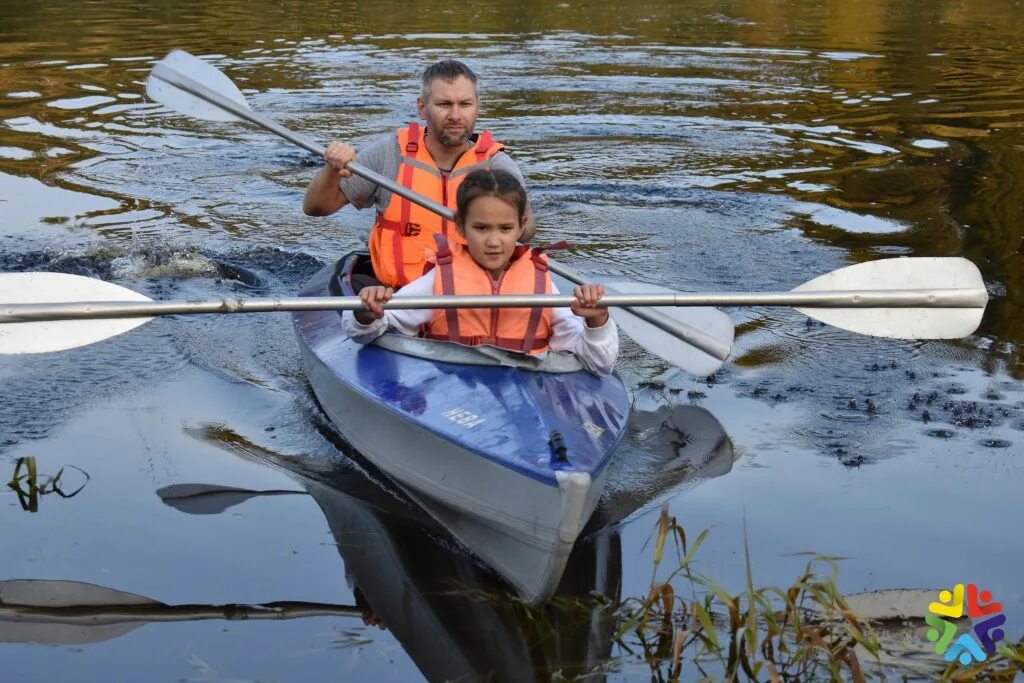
point(708, 321)
point(60, 335)
point(182, 64)
point(902, 274)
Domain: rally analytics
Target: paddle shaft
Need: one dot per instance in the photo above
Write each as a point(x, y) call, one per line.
point(193, 87)
point(88, 310)
point(688, 334)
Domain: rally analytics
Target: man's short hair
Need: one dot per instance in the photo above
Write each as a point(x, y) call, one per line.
point(446, 69)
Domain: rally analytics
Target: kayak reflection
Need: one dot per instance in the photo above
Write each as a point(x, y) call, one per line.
point(455, 617)
point(457, 620)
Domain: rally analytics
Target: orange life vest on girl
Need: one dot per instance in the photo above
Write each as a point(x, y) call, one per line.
point(403, 233)
point(527, 330)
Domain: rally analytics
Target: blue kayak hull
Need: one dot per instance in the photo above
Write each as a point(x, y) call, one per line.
point(485, 448)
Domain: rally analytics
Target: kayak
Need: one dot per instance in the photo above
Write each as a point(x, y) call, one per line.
point(509, 452)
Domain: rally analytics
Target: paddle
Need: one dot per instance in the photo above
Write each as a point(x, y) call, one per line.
point(902, 298)
point(192, 87)
point(64, 612)
point(675, 443)
point(212, 499)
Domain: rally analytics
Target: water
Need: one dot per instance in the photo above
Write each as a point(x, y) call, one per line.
point(713, 146)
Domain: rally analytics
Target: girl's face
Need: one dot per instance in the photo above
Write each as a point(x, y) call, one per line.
point(491, 227)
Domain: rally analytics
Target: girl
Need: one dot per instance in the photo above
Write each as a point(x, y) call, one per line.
point(490, 216)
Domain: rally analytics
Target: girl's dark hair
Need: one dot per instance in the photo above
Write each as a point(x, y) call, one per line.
point(500, 184)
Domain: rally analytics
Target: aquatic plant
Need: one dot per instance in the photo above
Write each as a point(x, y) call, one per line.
point(30, 485)
point(804, 632)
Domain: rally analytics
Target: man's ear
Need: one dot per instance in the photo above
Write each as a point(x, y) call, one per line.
point(420, 106)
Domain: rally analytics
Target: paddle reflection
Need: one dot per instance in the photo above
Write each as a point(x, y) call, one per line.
point(455, 617)
point(668, 447)
point(54, 612)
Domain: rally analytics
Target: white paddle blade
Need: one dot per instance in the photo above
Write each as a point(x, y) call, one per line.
point(60, 335)
point(902, 273)
point(191, 67)
point(708, 321)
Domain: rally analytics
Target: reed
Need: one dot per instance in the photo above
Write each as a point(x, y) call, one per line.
point(30, 485)
point(804, 632)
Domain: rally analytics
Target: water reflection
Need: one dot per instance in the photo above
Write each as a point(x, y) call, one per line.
point(53, 612)
point(670, 447)
point(894, 129)
point(458, 619)
point(706, 145)
point(455, 617)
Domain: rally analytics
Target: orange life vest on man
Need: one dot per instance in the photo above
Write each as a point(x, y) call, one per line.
point(527, 330)
point(403, 232)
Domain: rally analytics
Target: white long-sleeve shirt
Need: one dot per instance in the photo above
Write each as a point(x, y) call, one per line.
point(596, 347)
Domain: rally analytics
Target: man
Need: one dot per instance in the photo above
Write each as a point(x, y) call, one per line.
point(432, 160)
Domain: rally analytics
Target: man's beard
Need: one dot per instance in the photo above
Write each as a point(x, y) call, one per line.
point(451, 140)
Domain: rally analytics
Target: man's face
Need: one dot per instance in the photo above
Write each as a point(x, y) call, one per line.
point(450, 110)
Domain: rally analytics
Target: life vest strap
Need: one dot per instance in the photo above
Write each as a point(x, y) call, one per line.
point(386, 224)
point(538, 262)
point(483, 145)
point(540, 280)
point(443, 259)
point(412, 144)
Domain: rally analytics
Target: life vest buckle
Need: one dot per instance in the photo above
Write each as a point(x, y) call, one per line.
point(412, 145)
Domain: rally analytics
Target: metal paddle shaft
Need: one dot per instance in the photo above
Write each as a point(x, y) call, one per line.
point(91, 310)
point(178, 80)
point(904, 298)
point(718, 347)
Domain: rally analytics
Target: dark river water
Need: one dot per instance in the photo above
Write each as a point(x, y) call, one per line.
point(729, 145)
